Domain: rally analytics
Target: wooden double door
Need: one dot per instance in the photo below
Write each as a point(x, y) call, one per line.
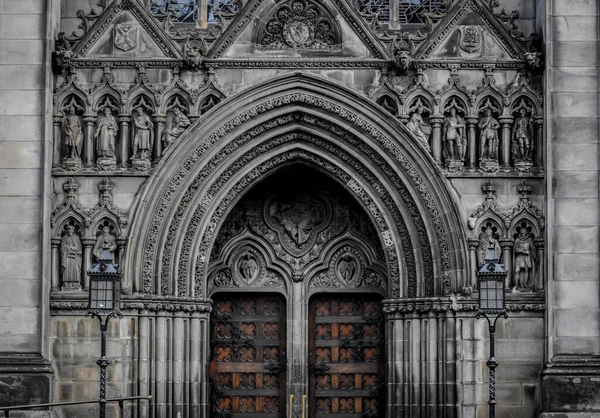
point(266, 362)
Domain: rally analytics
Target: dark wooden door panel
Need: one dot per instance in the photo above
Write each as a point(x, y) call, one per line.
point(346, 357)
point(247, 368)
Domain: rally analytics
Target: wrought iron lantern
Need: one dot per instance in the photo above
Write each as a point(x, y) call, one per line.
point(105, 284)
point(490, 277)
point(105, 299)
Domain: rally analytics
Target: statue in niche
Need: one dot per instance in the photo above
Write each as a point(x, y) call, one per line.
point(522, 138)
point(106, 133)
point(178, 125)
point(487, 240)
point(70, 259)
point(248, 268)
point(454, 136)
point(105, 239)
point(488, 136)
point(74, 135)
point(524, 261)
point(143, 138)
point(420, 129)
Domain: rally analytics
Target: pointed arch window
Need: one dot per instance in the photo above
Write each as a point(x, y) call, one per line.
point(197, 12)
point(397, 13)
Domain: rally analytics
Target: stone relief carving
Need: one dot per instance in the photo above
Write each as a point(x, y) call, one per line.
point(105, 240)
point(455, 143)
point(471, 38)
point(299, 24)
point(126, 37)
point(194, 51)
point(143, 140)
point(522, 141)
point(73, 140)
point(176, 125)
point(515, 233)
point(488, 141)
point(525, 261)
point(419, 128)
point(105, 135)
point(70, 259)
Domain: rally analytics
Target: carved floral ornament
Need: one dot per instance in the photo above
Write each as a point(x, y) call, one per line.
point(186, 266)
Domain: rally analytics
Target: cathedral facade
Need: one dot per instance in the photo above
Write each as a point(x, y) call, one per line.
point(299, 195)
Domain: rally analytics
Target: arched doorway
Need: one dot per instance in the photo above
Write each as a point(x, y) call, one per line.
point(297, 275)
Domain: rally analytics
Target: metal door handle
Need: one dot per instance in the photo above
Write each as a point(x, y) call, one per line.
point(303, 406)
point(291, 404)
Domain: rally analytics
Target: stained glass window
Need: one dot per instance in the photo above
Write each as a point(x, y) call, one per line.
point(225, 8)
point(412, 11)
point(183, 11)
point(372, 7)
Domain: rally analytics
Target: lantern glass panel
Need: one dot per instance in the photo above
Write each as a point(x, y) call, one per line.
point(104, 294)
point(491, 295)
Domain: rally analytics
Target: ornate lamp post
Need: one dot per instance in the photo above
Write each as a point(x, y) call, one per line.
point(105, 297)
point(491, 276)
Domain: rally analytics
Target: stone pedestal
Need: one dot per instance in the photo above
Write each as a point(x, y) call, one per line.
point(455, 166)
point(107, 163)
point(141, 164)
point(67, 286)
point(524, 166)
point(72, 164)
point(489, 166)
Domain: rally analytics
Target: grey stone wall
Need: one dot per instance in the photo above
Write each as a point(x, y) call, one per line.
point(22, 87)
point(573, 321)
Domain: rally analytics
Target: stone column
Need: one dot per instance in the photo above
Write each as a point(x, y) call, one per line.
point(539, 245)
point(432, 363)
point(160, 365)
point(159, 120)
point(177, 365)
point(507, 245)
point(472, 141)
point(88, 246)
point(144, 360)
point(124, 121)
point(473, 244)
point(204, 319)
point(193, 117)
point(55, 245)
point(120, 257)
point(57, 121)
point(88, 146)
point(506, 122)
point(436, 142)
point(538, 145)
point(197, 339)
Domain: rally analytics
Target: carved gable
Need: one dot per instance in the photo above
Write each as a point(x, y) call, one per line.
point(126, 31)
point(298, 29)
point(470, 32)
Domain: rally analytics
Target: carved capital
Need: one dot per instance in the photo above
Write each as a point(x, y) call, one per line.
point(436, 122)
point(506, 243)
point(506, 121)
point(540, 243)
point(159, 118)
point(57, 119)
point(88, 242)
point(539, 121)
point(90, 119)
point(472, 120)
point(124, 119)
point(55, 242)
point(473, 243)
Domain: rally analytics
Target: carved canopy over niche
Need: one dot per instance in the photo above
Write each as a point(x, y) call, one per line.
point(299, 25)
point(285, 230)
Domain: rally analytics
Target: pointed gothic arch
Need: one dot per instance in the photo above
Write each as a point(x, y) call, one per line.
point(286, 119)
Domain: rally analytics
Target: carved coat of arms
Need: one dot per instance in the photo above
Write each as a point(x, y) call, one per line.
point(471, 38)
point(126, 37)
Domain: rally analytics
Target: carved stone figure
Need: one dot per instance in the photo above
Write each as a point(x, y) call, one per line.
point(298, 218)
point(454, 136)
point(488, 136)
point(346, 268)
point(73, 135)
point(487, 240)
point(193, 51)
point(524, 261)
point(70, 259)
point(143, 138)
point(178, 125)
point(522, 138)
point(106, 133)
point(420, 129)
point(248, 268)
point(105, 239)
